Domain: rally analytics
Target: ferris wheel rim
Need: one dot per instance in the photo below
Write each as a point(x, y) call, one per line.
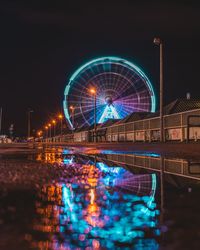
point(113, 59)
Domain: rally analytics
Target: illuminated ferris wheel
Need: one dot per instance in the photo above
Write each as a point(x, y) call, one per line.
point(120, 88)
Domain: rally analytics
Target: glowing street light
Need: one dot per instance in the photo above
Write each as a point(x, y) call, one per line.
point(49, 125)
point(60, 116)
point(54, 127)
point(93, 92)
point(158, 41)
point(46, 128)
point(72, 108)
point(39, 133)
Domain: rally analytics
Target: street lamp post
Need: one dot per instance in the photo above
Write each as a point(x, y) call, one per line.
point(54, 127)
point(159, 42)
point(72, 108)
point(29, 122)
point(46, 127)
point(49, 125)
point(39, 133)
point(61, 123)
point(93, 92)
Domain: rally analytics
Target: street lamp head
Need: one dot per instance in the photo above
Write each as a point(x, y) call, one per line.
point(49, 124)
point(60, 116)
point(157, 41)
point(93, 91)
point(71, 107)
point(46, 127)
point(54, 122)
point(39, 133)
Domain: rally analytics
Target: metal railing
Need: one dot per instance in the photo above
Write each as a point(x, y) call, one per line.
point(177, 127)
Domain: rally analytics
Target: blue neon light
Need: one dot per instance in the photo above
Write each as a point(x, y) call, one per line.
point(102, 115)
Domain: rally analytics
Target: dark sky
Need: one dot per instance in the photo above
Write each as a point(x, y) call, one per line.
point(42, 44)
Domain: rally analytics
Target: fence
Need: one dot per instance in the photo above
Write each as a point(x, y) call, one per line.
point(176, 128)
point(183, 126)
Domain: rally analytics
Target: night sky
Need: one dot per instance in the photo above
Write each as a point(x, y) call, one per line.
point(42, 44)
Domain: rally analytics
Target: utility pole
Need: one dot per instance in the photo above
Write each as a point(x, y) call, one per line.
point(93, 92)
point(159, 42)
point(95, 120)
point(60, 116)
point(72, 109)
point(29, 122)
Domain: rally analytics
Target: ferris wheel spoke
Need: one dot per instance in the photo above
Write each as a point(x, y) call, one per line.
point(122, 73)
point(124, 113)
point(77, 89)
point(80, 96)
point(78, 82)
point(91, 103)
point(99, 99)
point(129, 108)
point(127, 98)
point(121, 70)
point(76, 94)
point(126, 87)
point(123, 76)
point(117, 81)
point(89, 109)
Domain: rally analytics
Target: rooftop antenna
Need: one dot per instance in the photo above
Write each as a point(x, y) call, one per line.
point(188, 96)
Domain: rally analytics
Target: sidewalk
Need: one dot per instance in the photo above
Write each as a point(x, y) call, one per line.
point(178, 150)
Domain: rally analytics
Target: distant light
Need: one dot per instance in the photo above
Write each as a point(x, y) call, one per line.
point(188, 96)
point(39, 133)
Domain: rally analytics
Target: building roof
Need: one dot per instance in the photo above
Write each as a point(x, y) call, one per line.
point(83, 128)
point(108, 123)
point(181, 105)
point(134, 117)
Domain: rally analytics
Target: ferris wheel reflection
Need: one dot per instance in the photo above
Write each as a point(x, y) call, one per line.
point(96, 207)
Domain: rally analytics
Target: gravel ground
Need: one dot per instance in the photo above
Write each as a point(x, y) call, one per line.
point(24, 174)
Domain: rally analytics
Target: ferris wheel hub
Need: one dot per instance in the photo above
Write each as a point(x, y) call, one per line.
point(109, 100)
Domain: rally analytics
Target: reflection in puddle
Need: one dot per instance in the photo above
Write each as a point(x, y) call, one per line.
point(64, 200)
point(97, 207)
